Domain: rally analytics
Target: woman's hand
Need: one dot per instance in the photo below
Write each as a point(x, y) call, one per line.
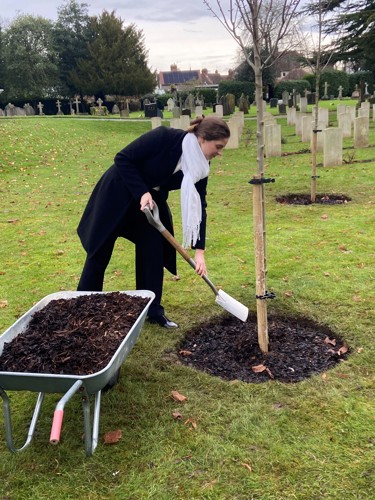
point(200, 264)
point(147, 200)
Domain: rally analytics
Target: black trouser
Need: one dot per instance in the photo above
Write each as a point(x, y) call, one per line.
point(149, 259)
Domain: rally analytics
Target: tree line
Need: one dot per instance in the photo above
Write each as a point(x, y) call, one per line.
point(77, 54)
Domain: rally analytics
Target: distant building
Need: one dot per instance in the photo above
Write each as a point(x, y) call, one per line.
point(180, 79)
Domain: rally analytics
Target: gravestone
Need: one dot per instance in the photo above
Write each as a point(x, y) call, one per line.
point(176, 123)
point(176, 112)
point(291, 116)
point(155, 122)
point(185, 122)
point(340, 89)
point(341, 108)
point(219, 110)
point(58, 104)
point(345, 123)
point(323, 115)
point(303, 104)
point(361, 132)
point(332, 149)
point(186, 112)
point(285, 97)
point(272, 140)
point(2, 112)
point(77, 102)
point(190, 103)
point(151, 110)
point(243, 104)
point(307, 127)
point(273, 102)
point(282, 109)
point(115, 109)
point(234, 139)
point(298, 123)
point(198, 110)
point(9, 109)
point(40, 107)
point(170, 104)
point(29, 110)
point(319, 137)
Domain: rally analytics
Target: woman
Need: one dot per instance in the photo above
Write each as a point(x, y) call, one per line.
point(159, 161)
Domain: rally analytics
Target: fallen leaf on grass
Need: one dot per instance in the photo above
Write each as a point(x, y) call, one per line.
point(356, 298)
point(324, 217)
point(324, 377)
point(247, 466)
point(112, 437)
point(192, 423)
point(289, 293)
point(3, 303)
point(343, 249)
point(342, 350)
point(175, 278)
point(176, 415)
point(178, 397)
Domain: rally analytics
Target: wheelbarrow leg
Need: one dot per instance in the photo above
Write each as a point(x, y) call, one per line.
point(8, 421)
point(91, 437)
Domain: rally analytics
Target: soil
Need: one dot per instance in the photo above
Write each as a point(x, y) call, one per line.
point(76, 336)
point(305, 199)
point(228, 348)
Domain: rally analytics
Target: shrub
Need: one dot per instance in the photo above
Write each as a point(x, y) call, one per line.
point(289, 85)
point(237, 89)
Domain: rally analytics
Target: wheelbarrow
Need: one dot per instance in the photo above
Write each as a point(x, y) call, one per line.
point(86, 385)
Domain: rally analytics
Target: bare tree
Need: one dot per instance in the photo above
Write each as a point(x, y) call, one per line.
point(317, 57)
point(265, 24)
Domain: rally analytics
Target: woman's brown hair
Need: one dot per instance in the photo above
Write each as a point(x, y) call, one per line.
point(210, 128)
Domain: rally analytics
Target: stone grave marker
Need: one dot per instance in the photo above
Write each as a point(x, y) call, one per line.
point(219, 110)
point(332, 149)
point(361, 132)
point(176, 123)
point(272, 140)
point(176, 112)
point(345, 123)
point(115, 110)
point(151, 110)
point(303, 104)
point(40, 107)
point(155, 122)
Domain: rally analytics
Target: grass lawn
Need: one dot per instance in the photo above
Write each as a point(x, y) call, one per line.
point(269, 441)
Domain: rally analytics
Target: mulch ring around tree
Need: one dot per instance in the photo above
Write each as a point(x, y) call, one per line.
point(75, 336)
point(228, 348)
point(305, 199)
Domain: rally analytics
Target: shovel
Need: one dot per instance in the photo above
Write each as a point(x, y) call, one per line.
point(223, 299)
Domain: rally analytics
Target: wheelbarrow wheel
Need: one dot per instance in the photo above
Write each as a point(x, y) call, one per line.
point(112, 381)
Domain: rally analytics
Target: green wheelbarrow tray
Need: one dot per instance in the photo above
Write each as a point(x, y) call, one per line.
point(87, 385)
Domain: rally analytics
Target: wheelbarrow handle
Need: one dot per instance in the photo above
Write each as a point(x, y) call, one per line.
point(154, 220)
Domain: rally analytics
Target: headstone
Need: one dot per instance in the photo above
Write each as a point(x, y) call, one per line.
point(100, 110)
point(323, 115)
point(40, 107)
point(282, 109)
point(272, 140)
point(155, 122)
point(325, 95)
point(291, 116)
point(115, 109)
point(298, 123)
point(198, 110)
point(77, 102)
point(243, 104)
point(285, 97)
point(303, 104)
point(234, 139)
point(176, 112)
point(176, 123)
point(190, 103)
point(307, 127)
point(185, 122)
point(219, 110)
point(273, 102)
point(2, 112)
point(332, 149)
point(364, 112)
point(29, 110)
point(170, 104)
point(150, 110)
point(58, 104)
point(361, 132)
point(345, 123)
point(340, 89)
point(319, 136)
point(186, 112)
point(341, 108)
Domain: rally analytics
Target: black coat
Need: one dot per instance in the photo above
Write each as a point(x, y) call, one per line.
point(147, 162)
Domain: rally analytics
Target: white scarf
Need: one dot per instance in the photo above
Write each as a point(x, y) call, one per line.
point(195, 167)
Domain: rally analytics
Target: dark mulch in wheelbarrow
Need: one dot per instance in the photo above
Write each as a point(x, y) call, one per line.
point(75, 336)
point(228, 348)
point(305, 199)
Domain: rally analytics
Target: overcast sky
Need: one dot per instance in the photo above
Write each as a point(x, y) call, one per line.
point(180, 31)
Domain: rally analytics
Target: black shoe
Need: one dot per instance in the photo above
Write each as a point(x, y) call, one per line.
point(163, 321)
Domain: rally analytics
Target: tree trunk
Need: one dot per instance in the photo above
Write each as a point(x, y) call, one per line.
point(259, 213)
